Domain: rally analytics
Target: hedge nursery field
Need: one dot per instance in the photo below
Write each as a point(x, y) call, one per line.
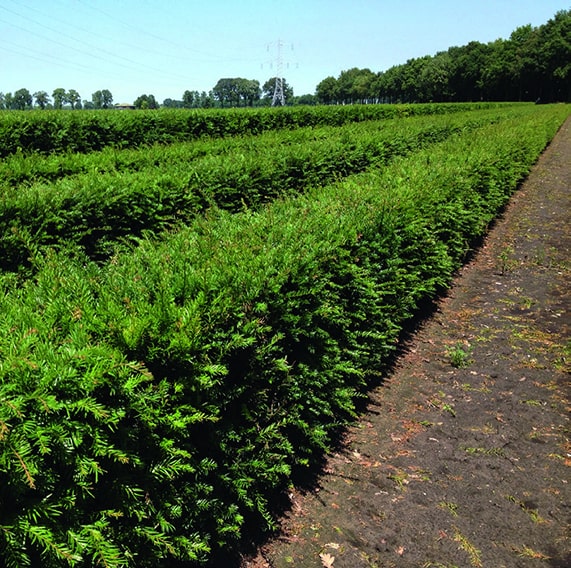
point(193, 304)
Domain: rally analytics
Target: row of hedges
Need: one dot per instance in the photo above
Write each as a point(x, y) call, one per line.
point(94, 210)
point(26, 168)
point(151, 408)
point(88, 131)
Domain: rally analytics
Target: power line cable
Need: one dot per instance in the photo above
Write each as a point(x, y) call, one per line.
point(210, 54)
point(108, 39)
point(96, 49)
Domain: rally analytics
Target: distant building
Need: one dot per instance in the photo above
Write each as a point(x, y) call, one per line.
point(124, 106)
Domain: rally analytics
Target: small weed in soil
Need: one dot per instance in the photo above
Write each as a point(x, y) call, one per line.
point(459, 355)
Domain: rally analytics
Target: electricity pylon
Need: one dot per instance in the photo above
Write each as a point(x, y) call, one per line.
point(279, 97)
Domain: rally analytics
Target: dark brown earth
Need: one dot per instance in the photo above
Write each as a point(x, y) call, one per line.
point(463, 456)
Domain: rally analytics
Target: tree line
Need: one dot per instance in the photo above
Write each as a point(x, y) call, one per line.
point(61, 98)
point(231, 92)
point(533, 64)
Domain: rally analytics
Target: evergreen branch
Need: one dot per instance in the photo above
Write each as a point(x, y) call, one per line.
point(29, 476)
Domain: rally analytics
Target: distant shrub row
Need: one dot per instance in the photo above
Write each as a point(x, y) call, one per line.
point(57, 131)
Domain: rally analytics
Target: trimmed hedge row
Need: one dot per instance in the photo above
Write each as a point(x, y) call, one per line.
point(151, 407)
point(88, 131)
point(24, 168)
point(94, 210)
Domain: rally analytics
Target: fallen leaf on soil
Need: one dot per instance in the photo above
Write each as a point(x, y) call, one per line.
point(327, 560)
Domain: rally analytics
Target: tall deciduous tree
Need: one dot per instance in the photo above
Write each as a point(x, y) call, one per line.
point(190, 99)
point(353, 85)
point(146, 102)
point(236, 91)
point(8, 100)
point(248, 91)
point(102, 99)
point(555, 40)
point(73, 98)
point(22, 99)
point(97, 100)
point(106, 98)
point(206, 99)
point(225, 92)
point(327, 91)
point(42, 99)
point(434, 78)
point(172, 103)
point(59, 96)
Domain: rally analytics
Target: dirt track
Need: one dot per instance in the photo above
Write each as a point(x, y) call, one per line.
point(463, 457)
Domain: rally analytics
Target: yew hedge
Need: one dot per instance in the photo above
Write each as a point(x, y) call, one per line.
point(119, 197)
point(151, 408)
point(87, 131)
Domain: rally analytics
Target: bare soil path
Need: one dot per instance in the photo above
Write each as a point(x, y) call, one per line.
point(463, 457)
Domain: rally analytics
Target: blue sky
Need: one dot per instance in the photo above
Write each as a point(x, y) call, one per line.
point(163, 47)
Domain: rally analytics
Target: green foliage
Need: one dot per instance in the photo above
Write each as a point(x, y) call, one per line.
point(531, 65)
point(152, 407)
point(459, 355)
point(55, 132)
point(98, 199)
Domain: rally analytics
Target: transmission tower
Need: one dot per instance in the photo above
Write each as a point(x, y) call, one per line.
point(279, 97)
